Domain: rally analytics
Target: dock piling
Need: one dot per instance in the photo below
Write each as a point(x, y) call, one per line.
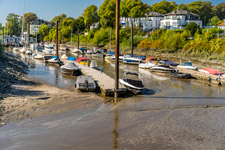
point(57, 42)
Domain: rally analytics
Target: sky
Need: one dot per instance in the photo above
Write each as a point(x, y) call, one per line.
point(47, 9)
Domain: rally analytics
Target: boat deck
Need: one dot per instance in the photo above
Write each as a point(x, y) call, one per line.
point(105, 82)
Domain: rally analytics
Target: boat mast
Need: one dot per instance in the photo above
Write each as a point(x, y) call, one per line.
point(71, 37)
point(22, 33)
point(132, 37)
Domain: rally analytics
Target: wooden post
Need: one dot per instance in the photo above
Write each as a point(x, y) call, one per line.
point(57, 42)
point(28, 35)
point(132, 37)
point(3, 35)
point(78, 47)
point(117, 49)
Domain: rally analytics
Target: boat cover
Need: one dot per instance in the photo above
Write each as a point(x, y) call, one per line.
point(141, 57)
point(71, 58)
point(111, 53)
point(187, 64)
point(213, 71)
point(79, 59)
point(151, 59)
point(169, 62)
point(70, 66)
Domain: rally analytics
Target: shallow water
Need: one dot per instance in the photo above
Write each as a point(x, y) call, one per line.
point(170, 114)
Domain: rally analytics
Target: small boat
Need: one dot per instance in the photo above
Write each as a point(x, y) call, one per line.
point(28, 52)
point(64, 56)
point(187, 65)
point(161, 68)
point(70, 69)
point(142, 57)
point(98, 54)
point(23, 50)
point(132, 81)
point(177, 74)
point(146, 65)
point(38, 56)
point(168, 62)
point(54, 60)
point(211, 71)
point(121, 57)
point(16, 48)
point(132, 60)
point(71, 58)
point(83, 50)
point(89, 53)
point(94, 65)
point(85, 83)
point(49, 49)
point(75, 50)
point(152, 59)
point(83, 60)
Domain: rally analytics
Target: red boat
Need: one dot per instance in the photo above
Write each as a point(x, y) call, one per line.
point(83, 60)
point(211, 71)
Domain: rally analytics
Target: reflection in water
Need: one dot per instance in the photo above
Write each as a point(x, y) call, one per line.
point(115, 132)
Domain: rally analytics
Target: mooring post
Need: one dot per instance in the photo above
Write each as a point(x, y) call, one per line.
point(132, 37)
point(57, 42)
point(78, 47)
point(117, 49)
point(28, 35)
point(3, 35)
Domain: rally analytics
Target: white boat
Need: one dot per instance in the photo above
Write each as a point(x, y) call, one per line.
point(28, 52)
point(187, 65)
point(16, 48)
point(113, 58)
point(146, 65)
point(132, 60)
point(85, 83)
point(98, 54)
point(48, 49)
point(70, 69)
point(38, 56)
point(75, 50)
point(94, 65)
point(23, 50)
point(161, 68)
point(132, 81)
point(89, 53)
point(64, 56)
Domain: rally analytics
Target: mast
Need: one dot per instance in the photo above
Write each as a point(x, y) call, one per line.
point(71, 37)
point(22, 33)
point(78, 39)
point(132, 38)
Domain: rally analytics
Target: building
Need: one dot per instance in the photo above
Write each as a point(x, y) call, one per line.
point(35, 25)
point(152, 21)
point(179, 19)
point(222, 25)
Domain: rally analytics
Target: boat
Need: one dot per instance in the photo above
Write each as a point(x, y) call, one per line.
point(46, 58)
point(88, 53)
point(75, 50)
point(64, 56)
point(152, 59)
point(83, 60)
point(142, 57)
point(187, 65)
point(121, 57)
point(16, 48)
point(85, 83)
point(146, 65)
point(53, 60)
point(132, 81)
point(161, 68)
point(211, 71)
point(70, 69)
point(94, 65)
point(177, 74)
point(71, 58)
point(48, 49)
point(23, 50)
point(98, 54)
point(109, 55)
point(83, 50)
point(28, 52)
point(132, 59)
point(38, 56)
point(168, 62)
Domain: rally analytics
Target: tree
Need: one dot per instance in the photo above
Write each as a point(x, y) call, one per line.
point(13, 23)
point(215, 21)
point(136, 8)
point(29, 17)
point(78, 24)
point(182, 7)
point(164, 7)
point(220, 10)
point(58, 18)
point(193, 28)
point(203, 8)
point(107, 13)
point(90, 15)
point(66, 29)
point(43, 31)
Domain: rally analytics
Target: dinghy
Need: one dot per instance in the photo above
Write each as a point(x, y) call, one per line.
point(187, 65)
point(146, 65)
point(38, 56)
point(85, 83)
point(161, 68)
point(70, 69)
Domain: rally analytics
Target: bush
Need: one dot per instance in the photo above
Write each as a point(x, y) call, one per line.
point(193, 28)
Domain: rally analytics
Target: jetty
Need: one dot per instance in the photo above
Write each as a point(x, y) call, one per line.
point(105, 82)
point(214, 79)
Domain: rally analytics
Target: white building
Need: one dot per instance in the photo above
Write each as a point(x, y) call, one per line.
point(34, 29)
point(151, 21)
point(222, 25)
point(179, 19)
point(35, 25)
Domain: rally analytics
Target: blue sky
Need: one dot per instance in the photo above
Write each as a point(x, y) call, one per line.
point(47, 9)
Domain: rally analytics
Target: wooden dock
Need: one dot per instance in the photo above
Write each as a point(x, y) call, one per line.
point(105, 82)
point(214, 79)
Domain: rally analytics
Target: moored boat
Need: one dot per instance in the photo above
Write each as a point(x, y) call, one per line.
point(83, 60)
point(98, 54)
point(85, 83)
point(75, 50)
point(177, 74)
point(38, 56)
point(94, 65)
point(146, 65)
point(187, 65)
point(70, 69)
point(48, 49)
point(211, 71)
point(132, 60)
point(161, 68)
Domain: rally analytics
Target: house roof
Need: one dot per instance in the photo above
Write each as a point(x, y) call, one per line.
point(222, 24)
point(180, 12)
point(153, 14)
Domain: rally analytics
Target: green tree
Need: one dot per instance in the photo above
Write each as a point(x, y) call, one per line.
point(215, 21)
point(90, 15)
point(220, 10)
point(66, 29)
point(204, 9)
point(182, 7)
point(13, 23)
point(58, 18)
point(193, 28)
point(78, 24)
point(164, 7)
point(43, 31)
point(107, 13)
point(29, 17)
